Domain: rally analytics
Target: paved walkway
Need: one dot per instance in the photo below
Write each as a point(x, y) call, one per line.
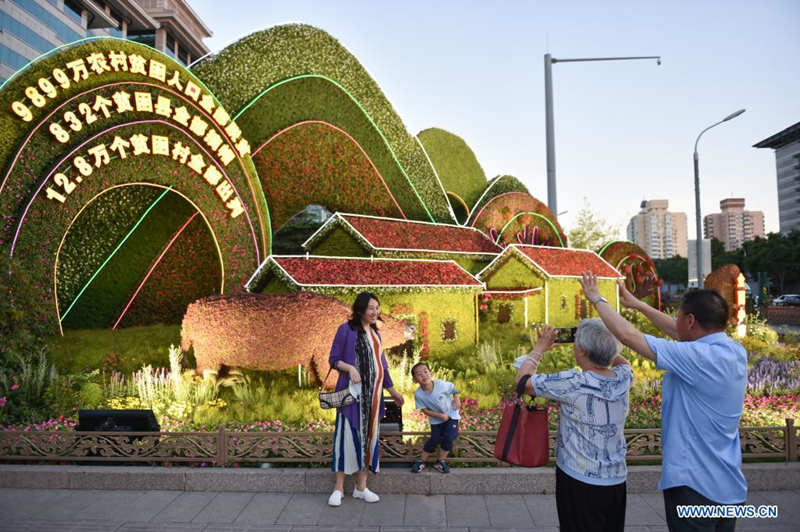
point(45, 510)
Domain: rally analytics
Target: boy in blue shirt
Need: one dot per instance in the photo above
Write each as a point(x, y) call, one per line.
point(434, 399)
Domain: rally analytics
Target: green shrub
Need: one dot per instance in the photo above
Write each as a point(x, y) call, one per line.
point(91, 395)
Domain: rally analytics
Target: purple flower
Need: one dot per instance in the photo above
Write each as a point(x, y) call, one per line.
point(3, 401)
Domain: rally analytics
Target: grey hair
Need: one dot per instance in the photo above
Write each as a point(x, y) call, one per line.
point(598, 342)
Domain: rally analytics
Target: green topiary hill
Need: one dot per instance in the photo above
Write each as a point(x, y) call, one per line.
point(247, 71)
point(456, 164)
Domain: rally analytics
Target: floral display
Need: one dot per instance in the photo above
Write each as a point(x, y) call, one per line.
point(400, 234)
point(455, 164)
point(496, 186)
point(641, 277)
point(723, 281)
point(229, 330)
point(365, 272)
point(317, 163)
point(246, 68)
point(511, 217)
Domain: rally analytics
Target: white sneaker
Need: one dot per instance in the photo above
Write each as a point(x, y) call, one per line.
point(336, 498)
point(367, 495)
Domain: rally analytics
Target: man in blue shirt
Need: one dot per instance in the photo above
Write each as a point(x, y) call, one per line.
point(702, 399)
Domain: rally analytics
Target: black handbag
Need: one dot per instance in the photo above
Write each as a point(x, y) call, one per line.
point(328, 400)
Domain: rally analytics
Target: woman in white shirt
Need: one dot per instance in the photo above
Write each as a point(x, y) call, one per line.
point(590, 448)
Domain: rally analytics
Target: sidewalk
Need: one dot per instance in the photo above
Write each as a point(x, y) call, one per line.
point(43, 510)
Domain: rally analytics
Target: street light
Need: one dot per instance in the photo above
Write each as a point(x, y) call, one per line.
point(548, 113)
point(699, 234)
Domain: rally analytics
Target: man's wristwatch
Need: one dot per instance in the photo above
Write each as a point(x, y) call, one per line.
point(598, 299)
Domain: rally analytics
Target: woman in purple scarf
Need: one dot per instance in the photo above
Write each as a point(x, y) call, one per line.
point(357, 354)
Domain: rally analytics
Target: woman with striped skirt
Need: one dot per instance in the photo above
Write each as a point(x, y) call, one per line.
point(357, 354)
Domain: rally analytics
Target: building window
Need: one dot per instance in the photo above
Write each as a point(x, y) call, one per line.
point(171, 44)
point(448, 330)
point(73, 11)
point(144, 37)
point(504, 313)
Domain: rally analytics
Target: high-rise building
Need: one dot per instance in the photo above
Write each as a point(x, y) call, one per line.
point(659, 232)
point(33, 27)
point(786, 144)
point(734, 225)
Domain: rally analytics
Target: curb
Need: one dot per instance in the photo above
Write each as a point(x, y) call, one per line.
point(460, 481)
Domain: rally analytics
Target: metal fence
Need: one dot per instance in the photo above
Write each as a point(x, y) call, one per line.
point(224, 448)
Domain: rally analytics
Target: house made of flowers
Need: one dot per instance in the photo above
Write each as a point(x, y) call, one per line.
point(363, 236)
point(538, 284)
point(438, 298)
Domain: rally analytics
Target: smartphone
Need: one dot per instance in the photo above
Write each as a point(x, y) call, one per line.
point(565, 335)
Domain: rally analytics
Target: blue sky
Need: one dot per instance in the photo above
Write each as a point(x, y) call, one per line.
point(624, 130)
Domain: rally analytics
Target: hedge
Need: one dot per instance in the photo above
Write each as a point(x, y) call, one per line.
point(246, 68)
point(456, 164)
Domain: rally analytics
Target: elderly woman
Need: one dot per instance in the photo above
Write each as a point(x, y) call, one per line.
point(357, 353)
point(590, 449)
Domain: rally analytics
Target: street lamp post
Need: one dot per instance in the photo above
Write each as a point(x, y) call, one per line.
point(698, 232)
point(548, 115)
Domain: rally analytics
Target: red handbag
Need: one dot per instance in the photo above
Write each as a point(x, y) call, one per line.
point(523, 435)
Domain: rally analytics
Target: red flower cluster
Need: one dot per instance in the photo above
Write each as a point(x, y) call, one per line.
point(328, 271)
point(402, 234)
point(566, 261)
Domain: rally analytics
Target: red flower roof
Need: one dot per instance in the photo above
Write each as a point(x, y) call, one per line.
point(335, 271)
point(568, 261)
point(386, 233)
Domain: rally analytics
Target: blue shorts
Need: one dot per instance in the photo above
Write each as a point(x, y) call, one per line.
point(443, 434)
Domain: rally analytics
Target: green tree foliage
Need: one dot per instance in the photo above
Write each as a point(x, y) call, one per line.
point(674, 270)
point(777, 255)
point(589, 230)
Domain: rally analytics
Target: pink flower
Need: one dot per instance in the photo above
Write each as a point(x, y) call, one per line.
point(14, 387)
point(3, 401)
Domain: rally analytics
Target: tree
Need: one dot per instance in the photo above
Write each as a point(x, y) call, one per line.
point(590, 230)
point(674, 270)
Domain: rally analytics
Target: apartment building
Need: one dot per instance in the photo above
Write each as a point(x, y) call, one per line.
point(659, 232)
point(733, 226)
point(786, 144)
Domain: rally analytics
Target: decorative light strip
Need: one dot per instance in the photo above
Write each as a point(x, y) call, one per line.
point(532, 213)
point(153, 267)
point(383, 137)
point(27, 208)
point(607, 244)
point(130, 232)
point(154, 185)
point(345, 133)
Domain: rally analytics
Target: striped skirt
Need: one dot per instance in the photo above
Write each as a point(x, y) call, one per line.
point(349, 453)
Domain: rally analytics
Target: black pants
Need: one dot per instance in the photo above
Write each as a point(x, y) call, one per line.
point(684, 495)
point(443, 434)
point(585, 507)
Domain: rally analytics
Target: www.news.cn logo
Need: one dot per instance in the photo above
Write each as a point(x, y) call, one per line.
point(712, 511)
